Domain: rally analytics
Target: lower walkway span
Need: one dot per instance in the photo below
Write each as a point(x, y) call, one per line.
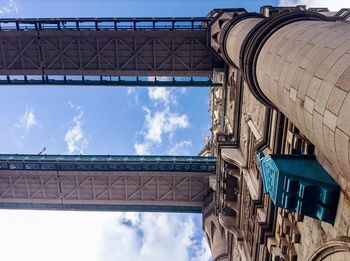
point(105, 183)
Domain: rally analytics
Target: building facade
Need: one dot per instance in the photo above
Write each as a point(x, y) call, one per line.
point(279, 104)
point(285, 90)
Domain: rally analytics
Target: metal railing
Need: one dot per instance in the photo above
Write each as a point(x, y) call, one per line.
point(119, 24)
point(91, 80)
point(107, 163)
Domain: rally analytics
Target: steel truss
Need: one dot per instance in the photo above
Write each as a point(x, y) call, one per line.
point(107, 52)
point(84, 182)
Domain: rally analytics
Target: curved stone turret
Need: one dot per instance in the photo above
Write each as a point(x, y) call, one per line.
point(299, 63)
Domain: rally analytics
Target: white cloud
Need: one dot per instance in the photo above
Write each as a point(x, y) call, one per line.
point(149, 237)
point(27, 120)
point(107, 236)
point(333, 5)
point(132, 91)
point(161, 118)
point(203, 251)
point(163, 122)
point(10, 6)
point(157, 125)
point(159, 94)
point(164, 95)
point(75, 137)
point(142, 148)
point(78, 233)
point(181, 148)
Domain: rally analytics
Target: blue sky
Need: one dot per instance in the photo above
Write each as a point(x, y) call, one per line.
point(126, 8)
point(100, 120)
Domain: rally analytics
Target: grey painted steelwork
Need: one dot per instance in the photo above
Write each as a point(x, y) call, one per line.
point(116, 47)
point(106, 183)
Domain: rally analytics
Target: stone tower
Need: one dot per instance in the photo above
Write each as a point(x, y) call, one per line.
point(285, 91)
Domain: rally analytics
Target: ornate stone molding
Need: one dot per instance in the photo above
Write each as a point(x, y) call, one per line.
point(228, 224)
point(332, 249)
point(233, 156)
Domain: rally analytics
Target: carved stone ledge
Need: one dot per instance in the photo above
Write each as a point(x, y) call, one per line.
point(228, 224)
point(233, 205)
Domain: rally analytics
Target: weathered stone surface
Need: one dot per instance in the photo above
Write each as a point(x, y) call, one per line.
point(311, 84)
point(336, 99)
point(304, 70)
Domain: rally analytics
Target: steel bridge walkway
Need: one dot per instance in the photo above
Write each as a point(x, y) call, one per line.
point(111, 52)
point(55, 49)
point(113, 81)
point(105, 183)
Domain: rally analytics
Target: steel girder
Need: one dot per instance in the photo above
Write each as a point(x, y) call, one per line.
point(121, 53)
point(98, 190)
point(96, 182)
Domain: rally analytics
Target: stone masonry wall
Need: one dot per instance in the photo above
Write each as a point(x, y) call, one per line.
point(304, 69)
point(315, 233)
point(256, 110)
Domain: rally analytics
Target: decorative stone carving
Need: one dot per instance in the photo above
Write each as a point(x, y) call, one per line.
point(229, 223)
point(337, 249)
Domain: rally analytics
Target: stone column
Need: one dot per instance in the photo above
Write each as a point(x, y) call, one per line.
point(299, 63)
point(216, 238)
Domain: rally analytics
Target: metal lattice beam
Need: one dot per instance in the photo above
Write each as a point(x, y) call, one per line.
point(92, 182)
point(103, 188)
point(114, 52)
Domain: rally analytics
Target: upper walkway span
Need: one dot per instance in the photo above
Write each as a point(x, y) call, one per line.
point(106, 47)
point(115, 81)
point(105, 183)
